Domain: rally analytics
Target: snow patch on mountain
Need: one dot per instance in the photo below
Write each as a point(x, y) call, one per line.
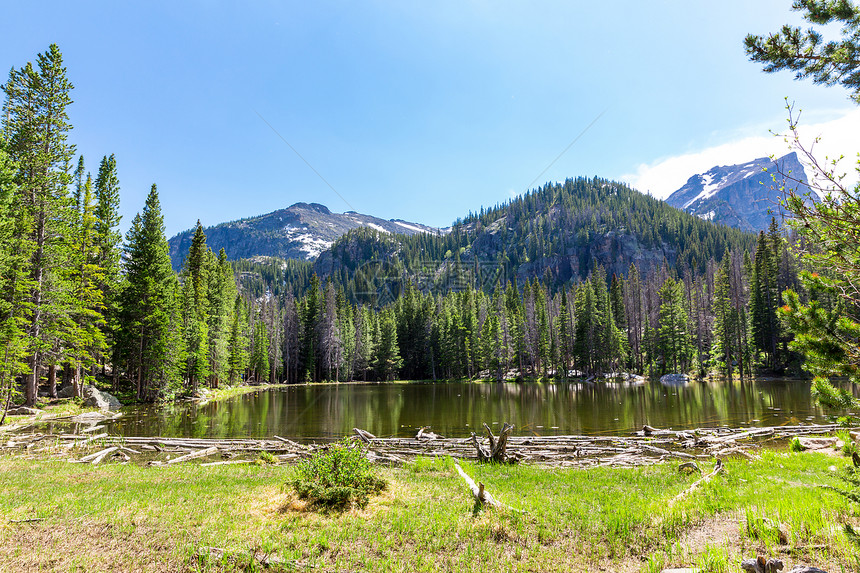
point(377, 227)
point(415, 228)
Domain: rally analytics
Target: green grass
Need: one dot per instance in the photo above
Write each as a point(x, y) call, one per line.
point(130, 518)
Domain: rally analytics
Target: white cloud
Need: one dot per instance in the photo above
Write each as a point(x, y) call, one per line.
point(836, 137)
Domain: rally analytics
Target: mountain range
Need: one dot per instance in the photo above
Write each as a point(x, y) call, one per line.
point(743, 196)
point(558, 232)
point(301, 231)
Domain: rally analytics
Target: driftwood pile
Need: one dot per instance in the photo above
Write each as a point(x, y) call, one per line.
point(93, 449)
point(647, 446)
point(644, 447)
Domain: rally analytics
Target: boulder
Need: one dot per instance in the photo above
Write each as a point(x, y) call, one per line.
point(95, 398)
point(67, 391)
point(816, 443)
point(674, 380)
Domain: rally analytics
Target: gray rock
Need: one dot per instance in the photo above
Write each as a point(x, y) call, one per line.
point(675, 380)
point(66, 392)
point(95, 398)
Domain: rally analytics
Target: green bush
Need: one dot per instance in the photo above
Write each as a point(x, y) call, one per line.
point(337, 477)
point(266, 458)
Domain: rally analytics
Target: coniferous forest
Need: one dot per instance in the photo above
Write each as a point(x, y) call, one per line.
point(575, 279)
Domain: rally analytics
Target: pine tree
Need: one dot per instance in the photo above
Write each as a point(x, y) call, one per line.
point(807, 54)
point(221, 294)
point(147, 305)
point(237, 355)
point(365, 328)
point(260, 350)
point(109, 240)
point(565, 335)
point(387, 361)
point(330, 344)
point(196, 309)
point(14, 283)
point(674, 337)
point(311, 320)
point(82, 328)
point(36, 125)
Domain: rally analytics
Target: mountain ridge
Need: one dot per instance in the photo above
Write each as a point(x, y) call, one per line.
point(301, 231)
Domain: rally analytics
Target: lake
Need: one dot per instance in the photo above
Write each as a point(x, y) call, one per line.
point(454, 409)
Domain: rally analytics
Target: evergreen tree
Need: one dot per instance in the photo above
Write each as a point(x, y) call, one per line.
point(148, 306)
point(237, 354)
point(674, 337)
point(311, 320)
point(387, 361)
point(109, 240)
point(196, 309)
point(807, 54)
point(14, 283)
point(36, 125)
point(260, 350)
point(83, 303)
point(221, 295)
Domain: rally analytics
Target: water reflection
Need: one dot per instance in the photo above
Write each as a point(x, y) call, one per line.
point(455, 409)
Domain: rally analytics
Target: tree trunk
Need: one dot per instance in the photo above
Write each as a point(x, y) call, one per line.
point(52, 380)
point(32, 386)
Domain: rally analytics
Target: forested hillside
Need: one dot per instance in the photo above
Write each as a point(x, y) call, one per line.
point(559, 233)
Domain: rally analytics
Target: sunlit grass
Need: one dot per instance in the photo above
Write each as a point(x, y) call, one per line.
point(620, 519)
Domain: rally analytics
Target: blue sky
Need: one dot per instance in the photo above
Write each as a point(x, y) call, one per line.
point(420, 111)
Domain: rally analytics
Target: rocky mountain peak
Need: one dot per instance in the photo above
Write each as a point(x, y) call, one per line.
point(744, 196)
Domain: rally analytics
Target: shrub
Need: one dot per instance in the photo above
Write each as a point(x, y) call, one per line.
point(337, 477)
point(795, 445)
point(266, 458)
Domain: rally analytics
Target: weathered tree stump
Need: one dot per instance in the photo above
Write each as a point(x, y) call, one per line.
point(497, 452)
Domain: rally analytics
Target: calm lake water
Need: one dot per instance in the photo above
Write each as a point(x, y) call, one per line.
point(455, 409)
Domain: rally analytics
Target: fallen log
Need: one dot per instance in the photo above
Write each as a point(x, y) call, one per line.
point(290, 443)
point(227, 463)
point(423, 434)
point(194, 455)
point(364, 435)
point(718, 469)
point(94, 438)
point(98, 455)
point(481, 495)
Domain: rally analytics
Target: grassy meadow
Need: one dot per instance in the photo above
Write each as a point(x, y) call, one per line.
point(57, 516)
